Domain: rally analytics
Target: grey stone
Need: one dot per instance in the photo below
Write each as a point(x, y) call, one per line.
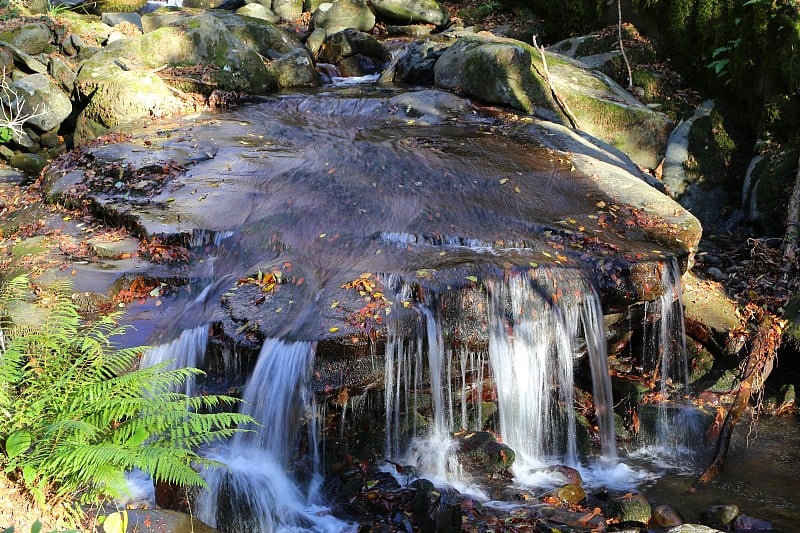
point(50, 139)
point(24, 60)
point(295, 69)
point(32, 38)
point(288, 9)
point(258, 11)
point(112, 19)
point(29, 163)
point(413, 11)
point(720, 516)
point(62, 73)
point(745, 523)
point(342, 14)
point(37, 94)
point(414, 65)
point(113, 249)
point(315, 40)
point(349, 43)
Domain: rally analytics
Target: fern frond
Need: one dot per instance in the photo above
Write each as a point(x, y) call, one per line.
point(90, 413)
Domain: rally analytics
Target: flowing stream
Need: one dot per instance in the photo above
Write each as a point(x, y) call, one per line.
point(498, 257)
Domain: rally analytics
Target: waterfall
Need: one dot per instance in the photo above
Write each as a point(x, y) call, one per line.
point(665, 355)
point(188, 350)
point(258, 491)
point(533, 343)
point(535, 327)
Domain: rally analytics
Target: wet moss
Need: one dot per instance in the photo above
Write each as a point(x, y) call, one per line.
point(716, 153)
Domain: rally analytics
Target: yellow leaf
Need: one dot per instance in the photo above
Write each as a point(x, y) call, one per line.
point(517, 190)
point(473, 279)
point(503, 181)
point(322, 235)
point(406, 304)
point(334, 304)
point(333, 329)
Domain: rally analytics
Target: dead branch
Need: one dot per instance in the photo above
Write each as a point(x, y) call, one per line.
point(757, 368)
point(560, 101)
point(621, 46)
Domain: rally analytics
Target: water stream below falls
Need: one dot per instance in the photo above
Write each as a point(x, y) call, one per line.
point(399, 280)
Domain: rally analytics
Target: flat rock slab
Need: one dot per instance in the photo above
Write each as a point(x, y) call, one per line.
point(323, 188)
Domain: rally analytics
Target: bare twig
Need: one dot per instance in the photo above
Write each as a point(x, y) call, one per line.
point(560, 101)
point(621, 46)
point(12, 108)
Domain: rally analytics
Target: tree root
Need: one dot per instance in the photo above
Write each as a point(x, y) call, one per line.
point(758, 366)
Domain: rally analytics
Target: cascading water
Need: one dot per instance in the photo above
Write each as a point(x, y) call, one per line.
point(533, 332)
point(534, 327)
point(665, 355)
point(257, 491)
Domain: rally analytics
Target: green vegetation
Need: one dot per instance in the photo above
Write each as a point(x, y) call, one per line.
point(76, 414)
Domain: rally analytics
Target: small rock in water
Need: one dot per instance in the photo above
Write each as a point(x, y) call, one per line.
point(748, 523)
point(570, 475)
point(630, 508)
point(719, 516)
point(571, 493)
point(665, 516)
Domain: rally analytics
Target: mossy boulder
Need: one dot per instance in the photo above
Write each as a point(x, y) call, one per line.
point(295, 69)
point(342, 14)
point(119, 83)
point(497, 71)
point(412, 11)
point(118, 6)
point(512, 73)
point(630, 507)
point(288, 9)
point(771, 176)
point(40, 98)
point(116, 96)
point(33, 38)
point(480, 453)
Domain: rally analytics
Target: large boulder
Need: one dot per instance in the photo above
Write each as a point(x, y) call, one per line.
point(342, 14)
point(510, 72)
point(413, 11)
point(497, 71)
point(117, 96)
point(262, 36)
point(258, 11)
point(36, 95)
point(288, 9)
point(414, 65)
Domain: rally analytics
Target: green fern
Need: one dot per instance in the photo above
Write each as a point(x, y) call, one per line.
point(76, 414)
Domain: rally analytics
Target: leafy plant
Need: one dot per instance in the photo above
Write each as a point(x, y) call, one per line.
point(76, 414)
point(720, 60)
point(36, 527)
